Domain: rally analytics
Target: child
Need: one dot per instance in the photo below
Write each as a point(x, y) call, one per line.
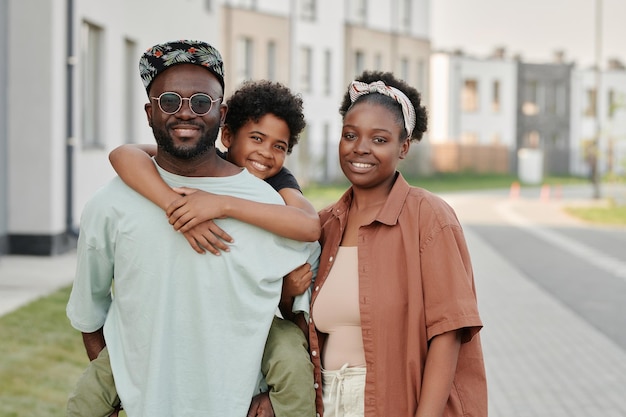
point(260, 129)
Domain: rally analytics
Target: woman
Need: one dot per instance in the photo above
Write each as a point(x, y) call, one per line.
point(394, 318)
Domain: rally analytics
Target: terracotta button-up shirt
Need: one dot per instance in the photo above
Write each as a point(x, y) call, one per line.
point(415, 282)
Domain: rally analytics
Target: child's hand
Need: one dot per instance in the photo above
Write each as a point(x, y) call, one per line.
point(208, 236)
point(297, 281)
point(195, 207)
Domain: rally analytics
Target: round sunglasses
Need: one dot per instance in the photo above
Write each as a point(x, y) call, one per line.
point(199, 103)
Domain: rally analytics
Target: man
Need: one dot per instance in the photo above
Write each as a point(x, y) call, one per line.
point(185, 332)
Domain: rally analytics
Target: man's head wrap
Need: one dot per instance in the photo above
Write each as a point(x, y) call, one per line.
point(163, 56)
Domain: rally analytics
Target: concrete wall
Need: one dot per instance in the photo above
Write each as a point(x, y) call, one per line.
point(4, 171)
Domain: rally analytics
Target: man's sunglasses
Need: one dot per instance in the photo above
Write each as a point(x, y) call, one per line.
point(199, 103)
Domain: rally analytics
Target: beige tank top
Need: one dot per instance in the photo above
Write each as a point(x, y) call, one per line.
point(336, 312)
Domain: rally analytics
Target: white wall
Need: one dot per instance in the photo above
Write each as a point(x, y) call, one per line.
point(36, 131)
point(325, 33)
point(35, 121)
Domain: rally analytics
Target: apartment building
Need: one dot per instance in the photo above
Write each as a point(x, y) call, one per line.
point(79, 59)
point(473, 111)
point(600, 116)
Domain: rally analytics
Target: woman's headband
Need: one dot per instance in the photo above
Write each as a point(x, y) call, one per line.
point(358, 89)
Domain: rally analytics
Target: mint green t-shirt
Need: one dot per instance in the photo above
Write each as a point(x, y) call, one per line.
point(185, 331)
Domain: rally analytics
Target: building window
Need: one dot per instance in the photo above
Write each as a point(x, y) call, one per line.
point(495, 96)
point(360, 10)
point(530, 106)
point(308, 11)
point(611, 104)
point(421, 75)
point(469, 96)
point(359, 62)
point(271, 61)
point(328, 72)
point(378, 62)
point(590, 110)
point(469, 138)
point(531, 139)
point(129, 104)
point(405, 14)
point(91, 64)
point(306, 68)
point(560, 97)
point(245, 60)
point(404, 69)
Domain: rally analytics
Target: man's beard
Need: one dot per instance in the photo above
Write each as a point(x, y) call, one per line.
point(165, 143)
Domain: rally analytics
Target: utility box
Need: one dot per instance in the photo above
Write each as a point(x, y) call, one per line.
point(530, 165)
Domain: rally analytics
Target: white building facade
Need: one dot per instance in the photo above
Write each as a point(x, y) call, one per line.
point(601, 116)
point(474, 101)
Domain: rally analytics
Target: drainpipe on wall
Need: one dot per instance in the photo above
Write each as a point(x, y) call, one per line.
point(70, 231)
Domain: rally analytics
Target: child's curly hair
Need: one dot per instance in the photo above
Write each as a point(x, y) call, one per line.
point(255, 99)
point(421, 116)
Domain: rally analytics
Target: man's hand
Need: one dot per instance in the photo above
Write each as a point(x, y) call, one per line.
point(261, 406)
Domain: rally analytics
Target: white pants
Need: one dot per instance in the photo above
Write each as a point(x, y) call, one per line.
point(344, 392)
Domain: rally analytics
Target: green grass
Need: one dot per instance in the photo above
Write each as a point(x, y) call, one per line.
point(609, 215)
point(322, 195)
point(41, 357)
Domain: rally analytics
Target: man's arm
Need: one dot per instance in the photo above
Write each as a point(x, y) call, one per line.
point(94, 343)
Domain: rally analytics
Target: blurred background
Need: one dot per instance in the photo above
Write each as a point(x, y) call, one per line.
point(525, 88)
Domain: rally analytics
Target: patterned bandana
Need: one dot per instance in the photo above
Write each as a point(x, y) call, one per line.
point(358, 89)
point(160, 57)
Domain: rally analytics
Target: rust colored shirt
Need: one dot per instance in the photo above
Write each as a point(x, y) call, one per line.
point(415, 282)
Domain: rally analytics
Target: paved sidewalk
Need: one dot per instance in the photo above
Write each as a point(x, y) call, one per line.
point(26, 278)
point(542, 359)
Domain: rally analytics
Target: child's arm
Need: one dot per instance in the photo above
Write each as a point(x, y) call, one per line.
point(296, 220)
point(441, 361)
point(135, 167)
point(294, 283)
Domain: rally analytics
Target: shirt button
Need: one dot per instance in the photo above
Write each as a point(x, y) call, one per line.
point(316, 385)
point(314, 353)
point(317, 414)
point(317, 288)
point(310, 319)
point(331, 259)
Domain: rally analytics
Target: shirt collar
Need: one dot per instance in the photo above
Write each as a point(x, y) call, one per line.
point(395, 201)
point(391, 209)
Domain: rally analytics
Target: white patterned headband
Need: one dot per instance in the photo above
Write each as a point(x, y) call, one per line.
point(358, 89)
